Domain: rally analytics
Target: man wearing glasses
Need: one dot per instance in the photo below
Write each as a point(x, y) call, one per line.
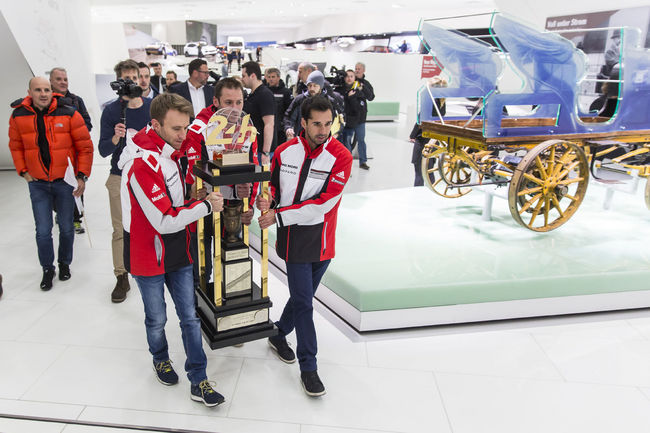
point(195, 89)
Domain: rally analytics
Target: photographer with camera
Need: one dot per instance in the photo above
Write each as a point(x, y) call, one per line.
point(132, 111)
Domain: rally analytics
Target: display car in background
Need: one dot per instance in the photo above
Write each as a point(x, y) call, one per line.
point(191, 49)
point(160, 48)
point(378, 49)
point(545, 158)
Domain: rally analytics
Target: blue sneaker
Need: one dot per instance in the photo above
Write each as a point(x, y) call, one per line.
point(165, 373)
point(204, 392)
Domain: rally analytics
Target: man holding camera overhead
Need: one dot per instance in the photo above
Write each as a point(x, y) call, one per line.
point(111, 143)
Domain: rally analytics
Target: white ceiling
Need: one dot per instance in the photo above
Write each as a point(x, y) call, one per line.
point(256, 16)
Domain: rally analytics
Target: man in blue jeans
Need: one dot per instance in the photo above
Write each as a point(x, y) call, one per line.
point(155, 216)
point(308, 174)
point(45, 136)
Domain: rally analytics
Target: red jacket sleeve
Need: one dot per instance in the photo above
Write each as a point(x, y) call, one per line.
point(148, 186)
point(17, 147)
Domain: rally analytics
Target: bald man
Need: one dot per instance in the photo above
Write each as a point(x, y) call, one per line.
point(43, 135)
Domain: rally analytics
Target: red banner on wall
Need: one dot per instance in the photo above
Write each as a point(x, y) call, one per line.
point(429, 67)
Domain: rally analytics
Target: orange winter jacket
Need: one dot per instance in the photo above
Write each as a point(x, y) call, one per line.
point(67, 136)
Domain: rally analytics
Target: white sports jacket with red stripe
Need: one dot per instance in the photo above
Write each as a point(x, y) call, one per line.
point(155, 214)
point(306, 187)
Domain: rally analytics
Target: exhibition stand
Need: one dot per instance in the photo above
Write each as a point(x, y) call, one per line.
point(421, 260)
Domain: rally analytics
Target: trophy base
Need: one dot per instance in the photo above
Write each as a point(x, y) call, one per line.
point(238, 320)
point(228, 159)
point(233, 251)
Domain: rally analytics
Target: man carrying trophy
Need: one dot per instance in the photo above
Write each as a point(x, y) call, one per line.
point(228, 97)
point(308, 174)
point(155, 218)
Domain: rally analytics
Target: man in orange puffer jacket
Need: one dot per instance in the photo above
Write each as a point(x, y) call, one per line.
point(43, 134)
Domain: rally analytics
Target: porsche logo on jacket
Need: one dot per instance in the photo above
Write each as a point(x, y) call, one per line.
point(155, 214)
point(306, 186)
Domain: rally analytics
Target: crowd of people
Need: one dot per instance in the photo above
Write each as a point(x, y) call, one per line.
point(153, 133)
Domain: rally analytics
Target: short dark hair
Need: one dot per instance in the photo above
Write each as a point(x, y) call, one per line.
point(271, 71)
point(164, 102)
point(315, 103)
point(126, 65)
point(253, 68)
point(152, 64)
point(172, 72)
point(228, 83)
point(195, 65)
point(142, 65)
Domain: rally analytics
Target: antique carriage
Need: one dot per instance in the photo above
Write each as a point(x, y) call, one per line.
point(535, 138)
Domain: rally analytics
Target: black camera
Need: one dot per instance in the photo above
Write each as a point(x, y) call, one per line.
point(338, 77)
point(126, 88)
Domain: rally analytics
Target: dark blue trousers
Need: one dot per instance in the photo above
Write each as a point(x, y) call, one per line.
point(298, 314)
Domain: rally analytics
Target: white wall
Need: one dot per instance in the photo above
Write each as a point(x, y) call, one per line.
point(535, 12)
point(54, 33)
point(176, 33)
point(108, 46)
point(159, 31)
point(394, 77)
point(400, 20)
point(15, 69)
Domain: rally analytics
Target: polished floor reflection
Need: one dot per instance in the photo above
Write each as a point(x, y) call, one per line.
point(71, 354)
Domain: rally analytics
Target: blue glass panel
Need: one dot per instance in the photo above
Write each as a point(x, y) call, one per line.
point(553, 68)
point(470, 66)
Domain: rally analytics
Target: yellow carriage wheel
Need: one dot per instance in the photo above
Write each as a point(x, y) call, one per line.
point(442, 169)
point(548, 185)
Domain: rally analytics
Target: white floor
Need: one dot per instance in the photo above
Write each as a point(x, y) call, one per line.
point(71, 354)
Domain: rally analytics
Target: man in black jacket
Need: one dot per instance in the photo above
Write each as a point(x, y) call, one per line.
point(359, 91)
point(157, 80)
point(304, 69)
point(59, 83)
point(282, 100)
point(316, 85)
point(195, 89)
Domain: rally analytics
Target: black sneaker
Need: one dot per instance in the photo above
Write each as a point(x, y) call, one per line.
point(311, 383)
point(364, 166)
point(204, 392)
point(282, 349)
point(46, 282)
point(165, 373)
point(64, 272)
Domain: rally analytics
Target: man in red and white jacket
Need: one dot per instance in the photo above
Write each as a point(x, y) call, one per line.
point(308, 174)
point(155, 216)
point(228, 93)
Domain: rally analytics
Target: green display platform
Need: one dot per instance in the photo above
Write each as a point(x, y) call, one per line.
point(383, 111)
point(408, 249)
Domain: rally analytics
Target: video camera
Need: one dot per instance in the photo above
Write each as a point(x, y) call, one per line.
point(337, 78)
point(126, 88)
